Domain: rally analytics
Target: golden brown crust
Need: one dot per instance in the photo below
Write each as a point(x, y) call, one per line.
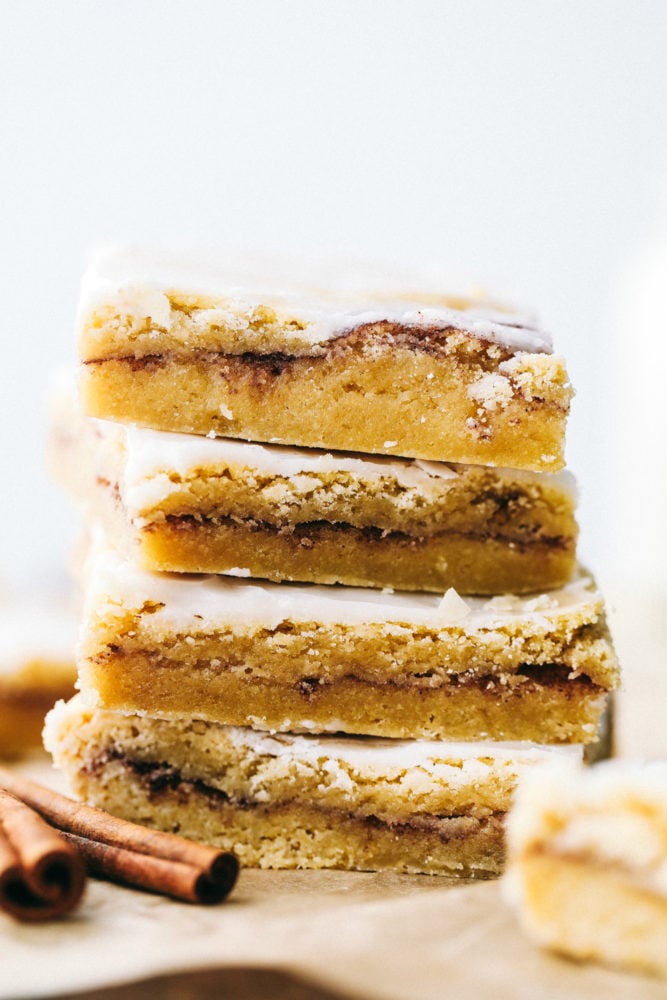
point(278, 805)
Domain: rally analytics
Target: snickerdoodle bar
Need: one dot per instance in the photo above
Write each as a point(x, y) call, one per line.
point(288, 657)
point(588, 861)
point(291, 801)
point(185, 503)
point(37, 640)
point(182, 344)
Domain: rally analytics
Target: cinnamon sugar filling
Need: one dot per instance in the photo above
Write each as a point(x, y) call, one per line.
point(435, 341)
point(308, 532)
point(524, 684)
point(159, 779)
point(527, 681)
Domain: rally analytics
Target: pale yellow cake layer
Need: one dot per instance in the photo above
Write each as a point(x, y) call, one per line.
point(550, 709)
point(174, 347)
point(588, 862)
point(329, 554)
point(183, 503)
point(368, 397)
point(288, 657)
point(298, 802)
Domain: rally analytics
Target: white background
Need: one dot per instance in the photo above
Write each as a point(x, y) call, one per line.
point(521, 145)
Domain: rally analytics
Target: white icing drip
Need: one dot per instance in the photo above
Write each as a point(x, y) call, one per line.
point(139, 283)
point(383, 753)
point(152, 455)
point(192, 603)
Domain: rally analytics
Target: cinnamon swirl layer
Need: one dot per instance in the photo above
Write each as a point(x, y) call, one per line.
point(299, 801)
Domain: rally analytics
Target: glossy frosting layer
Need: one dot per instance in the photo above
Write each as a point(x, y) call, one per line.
point(432, 755)
point(195, 603)
point(145, 284)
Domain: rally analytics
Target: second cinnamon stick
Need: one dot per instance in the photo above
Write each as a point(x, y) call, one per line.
point(126, 852)
point(170, 878)
point(41, 875)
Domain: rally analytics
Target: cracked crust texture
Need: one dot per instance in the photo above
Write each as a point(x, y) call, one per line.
point(320, 659)
point(187, 504)
point(289, 802)
point(404, 380)
point(588, 862)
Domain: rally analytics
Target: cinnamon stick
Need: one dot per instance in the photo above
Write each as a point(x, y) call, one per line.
point(125, 852)
point(156, 874)
point(41, 876)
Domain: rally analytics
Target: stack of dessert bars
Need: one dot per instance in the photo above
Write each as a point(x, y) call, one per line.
point(332, 609)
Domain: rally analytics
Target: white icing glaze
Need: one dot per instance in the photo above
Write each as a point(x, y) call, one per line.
point(150, 453)
point(139, 283)
point(151, 457)
point(453, 607)
point(376, 752)
point(197, 603)
point(609, 786)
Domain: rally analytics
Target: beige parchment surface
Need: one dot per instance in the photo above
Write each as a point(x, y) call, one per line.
point(360, 934)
